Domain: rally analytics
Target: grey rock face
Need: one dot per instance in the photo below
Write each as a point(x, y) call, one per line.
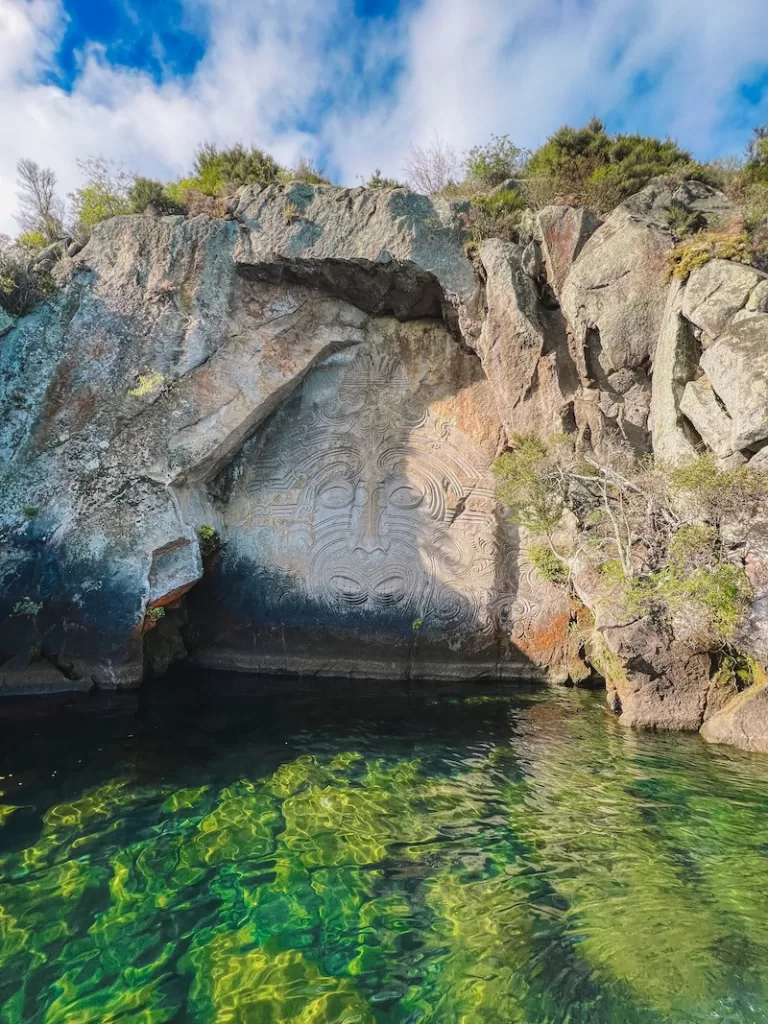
point(717, 291)
point(523, 347)
point(563, 232)
point(373, 233)
point(712, 422)
point(737, 366)
point(130, 404)
point(715, 211)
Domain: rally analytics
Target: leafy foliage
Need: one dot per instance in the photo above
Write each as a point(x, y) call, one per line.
point(496, 215)
point(21, 284)
point(547, 564)
point(146, 191)
point(653, 534)
point(491, 164)
point(209, 540)
point(587, 165)
point(216, 170)
point(306, 171)
point(105, 193)
point(377, 180)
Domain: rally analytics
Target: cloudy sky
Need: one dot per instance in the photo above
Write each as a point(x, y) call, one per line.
point(351, 83)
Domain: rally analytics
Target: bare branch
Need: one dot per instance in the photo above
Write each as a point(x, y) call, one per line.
point(429, 169)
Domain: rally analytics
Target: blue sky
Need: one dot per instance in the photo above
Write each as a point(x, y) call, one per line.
point(352, 83)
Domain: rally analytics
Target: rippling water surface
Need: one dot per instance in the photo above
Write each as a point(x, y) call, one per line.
point(233, 852)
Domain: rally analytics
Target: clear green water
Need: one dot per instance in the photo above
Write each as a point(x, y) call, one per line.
point(371, 855)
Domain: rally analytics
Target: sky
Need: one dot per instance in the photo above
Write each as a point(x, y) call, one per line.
point(352, 84)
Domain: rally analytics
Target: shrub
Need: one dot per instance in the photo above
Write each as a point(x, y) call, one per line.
point(587, 165)
point(105, 193)
point(491, 164)
point(187, 194)
point(547, 564)
point(32, 242)
point(532, 495)
point(149, 383)
point(21, 285)
point(209, 540)
point(144, 191)
point(433, 168)
point(217, 170)
point(496, 216)
point(27, 607)
point(681, 221)
point(306, 171)
point(718, 494)
point(706, 246)
point(652, 533)
point(376, 180)
point(154, 614)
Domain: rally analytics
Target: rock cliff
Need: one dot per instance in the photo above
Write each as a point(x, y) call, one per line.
point(320, 383)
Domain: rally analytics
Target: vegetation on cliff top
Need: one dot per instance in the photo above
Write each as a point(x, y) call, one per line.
point(649, 538)
point(500, 181)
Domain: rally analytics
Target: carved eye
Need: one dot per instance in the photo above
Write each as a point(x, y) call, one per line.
point(336, 494)
point(349, 589)
point(406, 496)
point(390, 590)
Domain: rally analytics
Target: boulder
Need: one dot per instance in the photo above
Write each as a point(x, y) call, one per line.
point(7, 322)
point(653, 681)
point(713, 424)
point(388, 250)
point(713, 210)
point(675, 364)
point(715, 292)
point(562, 232)
point(743, 722)
point(737, 366)
point(523, 347)
point(614, 295)
point(48, 257)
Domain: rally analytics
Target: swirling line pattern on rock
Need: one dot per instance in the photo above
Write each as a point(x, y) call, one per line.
point(371, 502)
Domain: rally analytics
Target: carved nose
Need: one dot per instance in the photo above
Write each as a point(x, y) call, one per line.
point(368, 537)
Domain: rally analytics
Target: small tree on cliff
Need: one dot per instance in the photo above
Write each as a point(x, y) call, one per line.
point(653, 534)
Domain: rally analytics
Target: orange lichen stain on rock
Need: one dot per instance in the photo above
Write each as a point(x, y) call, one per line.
point(65, 407)
point(545, 644)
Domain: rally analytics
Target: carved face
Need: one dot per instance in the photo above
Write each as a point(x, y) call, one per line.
point(363, 497)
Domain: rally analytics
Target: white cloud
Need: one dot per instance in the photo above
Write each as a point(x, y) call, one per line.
point(469, 68)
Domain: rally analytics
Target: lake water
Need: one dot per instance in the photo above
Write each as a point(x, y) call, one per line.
point(225, 851)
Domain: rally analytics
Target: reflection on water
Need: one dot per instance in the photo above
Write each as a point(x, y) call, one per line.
point(237, 853)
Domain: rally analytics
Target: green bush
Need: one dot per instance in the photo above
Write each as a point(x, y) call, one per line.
point(587, 165)
point(104, 194)
point(681, 221)
point(306, 171)
point(217, 170)
point(533, 497)
point(491, 164)
point(547, 564)
point(376, 180)
point(144, 191)
point(21, 285)
point(209, 540)
point(496, 216)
